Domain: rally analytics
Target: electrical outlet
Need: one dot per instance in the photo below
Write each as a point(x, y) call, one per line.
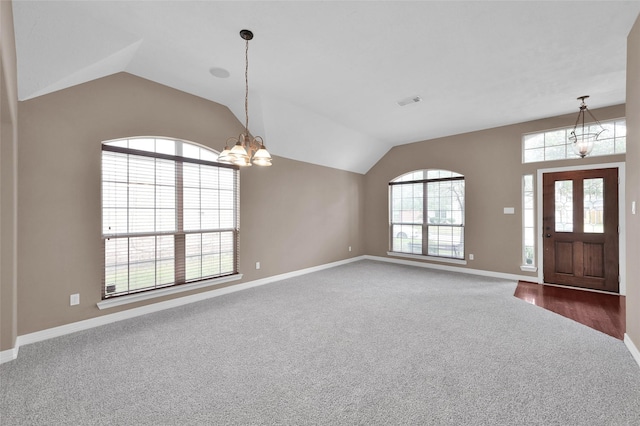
point(74, 299)
point(470, 257)
point(349, 248)
point(257, 265)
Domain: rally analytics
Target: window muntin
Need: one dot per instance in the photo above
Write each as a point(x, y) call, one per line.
point(167, 218)
point(555, 144)
point(427, 214)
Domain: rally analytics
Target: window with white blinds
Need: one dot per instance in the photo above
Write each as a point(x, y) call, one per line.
point(170, 215)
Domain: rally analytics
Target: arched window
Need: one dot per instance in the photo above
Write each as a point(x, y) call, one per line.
point(427, 214)
point(170, 215)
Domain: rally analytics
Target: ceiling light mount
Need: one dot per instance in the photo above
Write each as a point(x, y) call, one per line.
point(246, 35)
point(246, 150)
point(219, 72)
point(583, 136)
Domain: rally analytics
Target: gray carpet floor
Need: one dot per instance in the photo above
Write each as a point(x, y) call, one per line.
point(366, 343)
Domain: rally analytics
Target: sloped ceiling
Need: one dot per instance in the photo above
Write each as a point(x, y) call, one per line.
point(325, 76)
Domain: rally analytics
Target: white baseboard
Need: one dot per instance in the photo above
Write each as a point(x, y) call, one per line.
point(451, 268)
point(635, 353)
point(38, 336)
point(9, 355)
point(62, 330)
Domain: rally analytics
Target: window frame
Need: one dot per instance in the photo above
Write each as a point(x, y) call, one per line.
point(617, 139)
point(425, 224)
point(179, 233)
point(529, 223)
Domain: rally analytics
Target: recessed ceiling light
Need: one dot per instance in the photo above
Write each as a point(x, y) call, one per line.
point(409, 100)
point(219, 72)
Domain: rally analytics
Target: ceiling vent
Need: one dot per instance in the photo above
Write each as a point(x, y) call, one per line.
point(410, 100)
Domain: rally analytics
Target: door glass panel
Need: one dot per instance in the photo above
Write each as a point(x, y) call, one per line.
point(564, 205)
point(594, 205)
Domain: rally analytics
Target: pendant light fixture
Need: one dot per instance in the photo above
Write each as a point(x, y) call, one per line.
point(245, 149)
point(583, 136)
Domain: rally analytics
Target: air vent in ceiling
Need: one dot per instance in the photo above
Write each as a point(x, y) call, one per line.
point(410, 100)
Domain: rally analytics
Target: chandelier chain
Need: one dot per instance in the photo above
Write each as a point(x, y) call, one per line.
point(582, 107)
point(246, 85)
point(594, 118)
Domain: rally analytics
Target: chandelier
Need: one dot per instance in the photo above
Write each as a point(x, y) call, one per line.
point(245, 150)
point(584, 136)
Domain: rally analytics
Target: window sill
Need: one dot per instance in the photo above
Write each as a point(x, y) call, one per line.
point(431, 258)
point(134, 298)
point(528, 268)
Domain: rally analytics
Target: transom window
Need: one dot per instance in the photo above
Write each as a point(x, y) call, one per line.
point(170, 215)
point(427, 214)
point(555, 144)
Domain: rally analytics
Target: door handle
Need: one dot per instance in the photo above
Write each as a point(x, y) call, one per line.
point(548, 235)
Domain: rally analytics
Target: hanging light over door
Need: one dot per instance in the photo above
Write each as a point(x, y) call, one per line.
point(583, 136)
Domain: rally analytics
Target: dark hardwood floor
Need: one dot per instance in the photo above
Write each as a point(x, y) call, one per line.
point(603, 312)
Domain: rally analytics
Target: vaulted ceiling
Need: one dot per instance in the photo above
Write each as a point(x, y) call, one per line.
point(325, 77)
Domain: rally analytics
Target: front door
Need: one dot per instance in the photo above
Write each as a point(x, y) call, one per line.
point(580, 226)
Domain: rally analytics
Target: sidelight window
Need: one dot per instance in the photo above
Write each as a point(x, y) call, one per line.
point(528, 221)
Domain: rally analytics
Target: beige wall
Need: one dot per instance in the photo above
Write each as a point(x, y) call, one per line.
point(296, 215)
point(293, 215)
point(491, 162)
point(633, 183)
point(8, 172)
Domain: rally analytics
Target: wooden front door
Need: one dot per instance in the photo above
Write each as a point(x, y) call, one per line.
point(580, 226)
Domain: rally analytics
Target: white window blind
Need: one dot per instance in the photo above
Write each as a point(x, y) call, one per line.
point(170, 215)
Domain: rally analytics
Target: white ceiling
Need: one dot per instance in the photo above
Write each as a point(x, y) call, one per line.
point(325, 76)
